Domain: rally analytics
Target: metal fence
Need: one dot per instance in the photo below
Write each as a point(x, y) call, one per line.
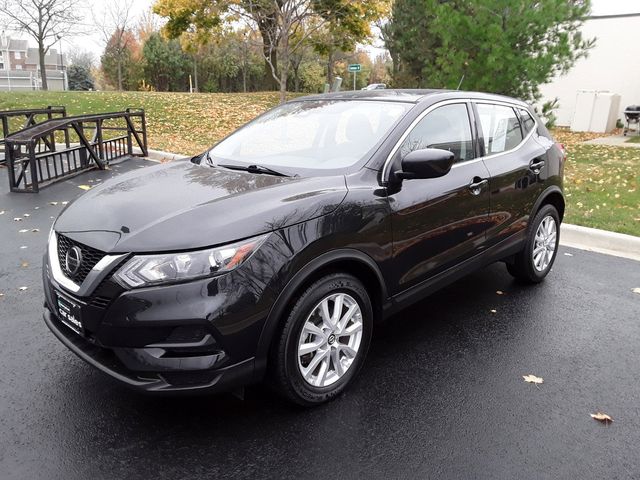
point(13, 121)
point(34, 159)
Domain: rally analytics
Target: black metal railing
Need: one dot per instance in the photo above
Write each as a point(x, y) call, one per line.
point(90, 141)
point(13, 121)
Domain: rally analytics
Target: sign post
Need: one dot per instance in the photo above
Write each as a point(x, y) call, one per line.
point(355, 68)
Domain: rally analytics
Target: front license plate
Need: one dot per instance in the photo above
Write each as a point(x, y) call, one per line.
point(69, 314)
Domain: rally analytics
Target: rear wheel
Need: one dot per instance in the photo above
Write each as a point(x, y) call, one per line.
point(534, 262)
point(324, 340)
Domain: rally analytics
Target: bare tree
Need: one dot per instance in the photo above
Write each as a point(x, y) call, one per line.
point(291, 22)
point(114, 26)
point(46, 21)
point(148, 23)
point(82, 58)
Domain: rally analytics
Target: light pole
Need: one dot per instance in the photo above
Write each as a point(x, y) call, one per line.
point(64, 82)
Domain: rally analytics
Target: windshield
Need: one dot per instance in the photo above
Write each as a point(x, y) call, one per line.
point(322, 134)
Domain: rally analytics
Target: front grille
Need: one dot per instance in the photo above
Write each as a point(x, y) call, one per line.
point(90, 256)
point(100, 302)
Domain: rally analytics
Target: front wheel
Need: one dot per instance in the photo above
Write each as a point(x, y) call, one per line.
point(324, 340)
point(534, 262)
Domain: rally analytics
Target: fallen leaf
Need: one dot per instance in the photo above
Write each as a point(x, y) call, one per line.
point(22, 289)
point(601, 417)
point(533, 379)
point(17, 219)
point(84, 187)
point(35, 230)
point(499, 292)
point(568, 254)
point(23, 230)
point(26, 215)
point(23, 247)
point(1, 294)
point(36, 208)
point(53, 203)
point(493, 310)
point(636, 290)
point(64, 203)
point(24, 264)
point(1, 212)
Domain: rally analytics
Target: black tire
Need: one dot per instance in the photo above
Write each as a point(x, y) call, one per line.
point(284, 370)
point(522, 266)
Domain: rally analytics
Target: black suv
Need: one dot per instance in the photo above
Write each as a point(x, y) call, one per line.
point(274, 253)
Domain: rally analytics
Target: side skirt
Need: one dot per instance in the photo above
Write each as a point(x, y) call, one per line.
point(501, 251)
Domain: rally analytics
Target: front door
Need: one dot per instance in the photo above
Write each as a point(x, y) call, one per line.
point(439, 222)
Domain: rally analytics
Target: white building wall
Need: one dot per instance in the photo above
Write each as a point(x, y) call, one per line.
point(612, 65)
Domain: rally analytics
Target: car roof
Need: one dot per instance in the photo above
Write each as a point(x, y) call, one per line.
point(409, 95)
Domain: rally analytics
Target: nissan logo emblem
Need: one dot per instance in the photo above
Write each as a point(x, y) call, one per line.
point(73, 260)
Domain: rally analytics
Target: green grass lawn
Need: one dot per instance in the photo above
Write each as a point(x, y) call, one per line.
point(601, 187)
point(633, 138)
point(176, 122)
point(601, 182)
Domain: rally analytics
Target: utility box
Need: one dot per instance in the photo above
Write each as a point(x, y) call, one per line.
point(596, 111)
point(337, 81)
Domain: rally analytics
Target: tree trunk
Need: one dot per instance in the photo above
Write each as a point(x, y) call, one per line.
point(283, 85)
point(330, 62)
point(43, 70)
point(266, 25)
point(119, 73)
point(284, 69)
point(244, 78)
point(195, 74)
point(270, 82)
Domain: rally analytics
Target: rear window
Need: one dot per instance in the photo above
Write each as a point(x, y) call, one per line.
point(527, 122)
point(500, 128)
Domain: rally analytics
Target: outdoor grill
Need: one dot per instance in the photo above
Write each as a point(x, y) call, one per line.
point(632, 117)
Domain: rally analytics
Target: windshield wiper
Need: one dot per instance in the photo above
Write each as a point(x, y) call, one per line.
point(208, 158)
point(254, 169)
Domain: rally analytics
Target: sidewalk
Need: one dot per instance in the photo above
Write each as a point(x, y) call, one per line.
point(614, 141)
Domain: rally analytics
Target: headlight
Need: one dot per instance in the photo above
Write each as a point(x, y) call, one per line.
point(144, 270)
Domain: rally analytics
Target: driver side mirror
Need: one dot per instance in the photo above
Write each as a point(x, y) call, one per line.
point(425, 163)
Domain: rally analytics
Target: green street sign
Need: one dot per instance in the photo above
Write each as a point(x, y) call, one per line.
point(355, 67)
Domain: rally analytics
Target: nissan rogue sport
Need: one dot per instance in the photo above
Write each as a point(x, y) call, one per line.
point(273, 254)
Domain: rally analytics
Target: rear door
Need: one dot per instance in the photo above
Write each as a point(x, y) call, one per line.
point(515, 162)
point(439, 222)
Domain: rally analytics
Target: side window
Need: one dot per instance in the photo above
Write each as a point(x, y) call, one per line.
point(500, 128)
point(446, 127)
point(527, 122)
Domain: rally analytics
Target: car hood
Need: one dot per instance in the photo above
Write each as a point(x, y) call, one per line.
point(181, 205)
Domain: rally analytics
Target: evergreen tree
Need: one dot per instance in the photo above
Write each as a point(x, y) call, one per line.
point(502, 46)
point(79, 78)
point(166, 66)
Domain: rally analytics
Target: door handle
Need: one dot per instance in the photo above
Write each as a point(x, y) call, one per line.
point(476, 185)
point(536, 167)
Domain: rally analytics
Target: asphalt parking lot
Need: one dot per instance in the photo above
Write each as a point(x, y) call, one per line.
point(441, 395)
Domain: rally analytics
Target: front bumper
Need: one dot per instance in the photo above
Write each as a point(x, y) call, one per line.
point(219, 380)
point(195, 336)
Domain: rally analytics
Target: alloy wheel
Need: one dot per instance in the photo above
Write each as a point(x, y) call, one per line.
point(330, 339)
point(544, 244)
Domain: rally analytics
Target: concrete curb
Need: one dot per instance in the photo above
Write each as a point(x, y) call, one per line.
point(154, 155)
point(601, 241)
point(159, 155)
